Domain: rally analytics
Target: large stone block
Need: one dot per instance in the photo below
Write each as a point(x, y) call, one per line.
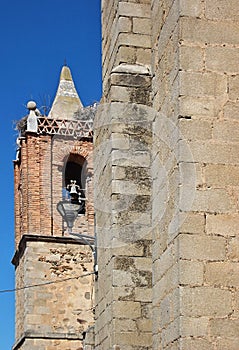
point(142, 26)
point(126, 309)
point(223, 274)
point(202, 31)
point(194, 326)
point(133, 339)
point(193, 223)
point(233, 249)
point(231, 344)
point(196, 344)
point(133, 39)
point(191, 272)
point(191, 58)
point(191, 8)
point(126, 54)
point(206, 301)
point(226, 131)
point(225, 328)
point(233, 87)
point(202, 84)
point(215, 152)
point(194, 129)
point(222, 224)
point(220, 175)
point(133, 10)
point(124, 24)
point(222, 59)
point(213, 201)
point(221, 9)
point(199, 247)
point(206, 106)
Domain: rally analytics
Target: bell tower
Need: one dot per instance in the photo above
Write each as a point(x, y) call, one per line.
point(54, 223)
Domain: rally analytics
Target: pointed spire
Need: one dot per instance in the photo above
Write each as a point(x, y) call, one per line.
point(67, 101)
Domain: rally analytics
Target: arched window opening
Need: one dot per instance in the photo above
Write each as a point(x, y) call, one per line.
point(74, 181)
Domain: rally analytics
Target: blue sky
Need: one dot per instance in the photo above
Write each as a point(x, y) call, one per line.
point(36, 37)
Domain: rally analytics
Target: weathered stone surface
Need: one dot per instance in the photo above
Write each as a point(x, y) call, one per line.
point(221, 10)
point(194, 326)
point(199, 247)
point(222, 274)
point(222, 224)
point(171, 176)
point(233, 87)
point(201, 31)
point(134, 10)
point(191, 272)
point(196, 344)
point(208, 301)
point(191, 8)
point(222, 59)
point(202, 84)
point(191, 58)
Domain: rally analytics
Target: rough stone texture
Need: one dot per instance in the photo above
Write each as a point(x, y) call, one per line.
point(122, 202)
point(50, 344)
point(193, 84)
point(192, 47)
point(129, 41)
point(61, 303)
point(166, 178)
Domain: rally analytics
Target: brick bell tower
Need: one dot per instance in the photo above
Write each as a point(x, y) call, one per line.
point(54, 269)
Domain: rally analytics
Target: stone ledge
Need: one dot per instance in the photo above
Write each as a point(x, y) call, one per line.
point(46, 336)
point(48, 239)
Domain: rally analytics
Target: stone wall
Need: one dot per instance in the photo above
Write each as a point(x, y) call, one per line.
point(166, 174)
point(166, 188)
point(123, 227)
point(129, 42)
point(57, 296)
point(192, 79)
point(34, 343)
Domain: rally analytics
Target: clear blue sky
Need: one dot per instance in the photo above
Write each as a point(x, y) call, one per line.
point(36, 37)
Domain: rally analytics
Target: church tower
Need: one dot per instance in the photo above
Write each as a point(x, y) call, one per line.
point(54, 223)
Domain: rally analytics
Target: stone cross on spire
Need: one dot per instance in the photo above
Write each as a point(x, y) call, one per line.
point(67, 100)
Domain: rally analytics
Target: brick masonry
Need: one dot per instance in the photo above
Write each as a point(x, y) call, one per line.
point(39, 180)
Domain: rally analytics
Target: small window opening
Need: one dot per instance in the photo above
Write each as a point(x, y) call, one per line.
point(74, 182)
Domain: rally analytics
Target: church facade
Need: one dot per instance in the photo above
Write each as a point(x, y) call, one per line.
point(157, 197)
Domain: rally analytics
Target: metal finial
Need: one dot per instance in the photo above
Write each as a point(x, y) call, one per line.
point(65, 63)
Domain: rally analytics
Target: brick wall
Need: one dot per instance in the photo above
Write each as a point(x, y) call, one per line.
point(55, 314)
point(39, 179)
